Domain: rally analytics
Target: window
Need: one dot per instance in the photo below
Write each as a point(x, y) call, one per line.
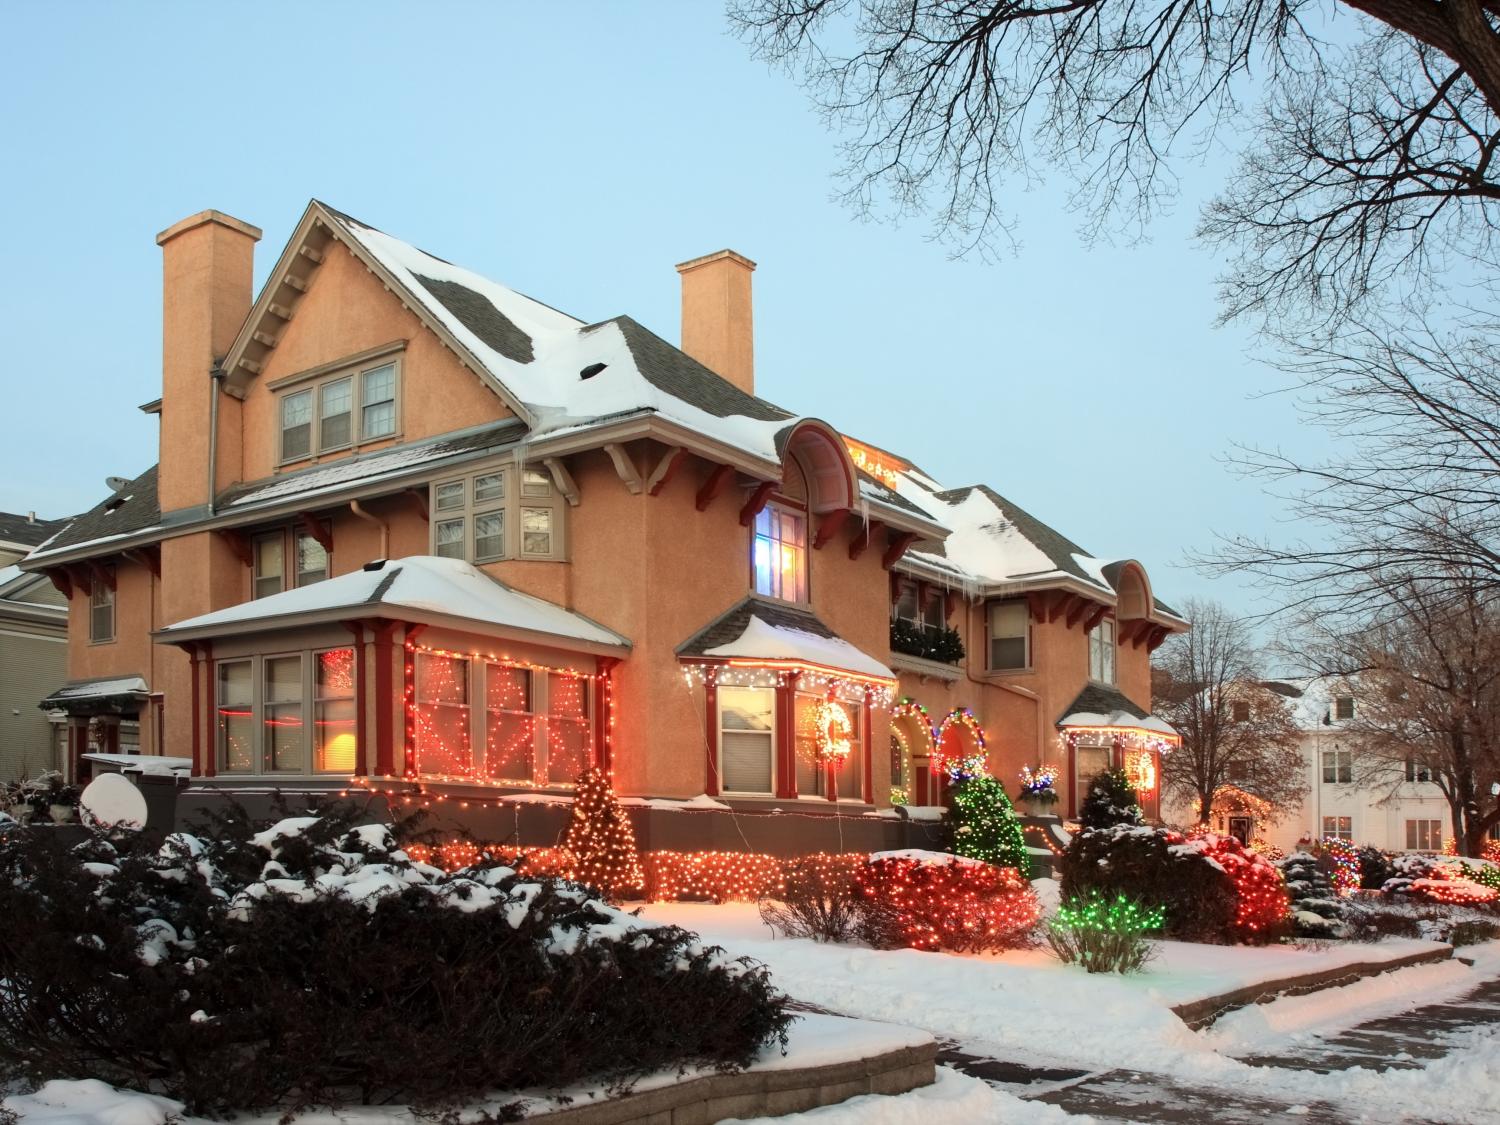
point(101, 611)
point(1416, 771)
point(1343, 707)
point(312, 560)
point(269, 552)
point(1010, 630)
point(282, 714)
point(510, 726)
point(1338, 827)
point(1238, 771)
point(779, 554)
point(353, 404)
point(1338, 766)
point(1424, 835)
point(441, 715)
point(1239, 711)
point(334, 729)
point(470, 517)
point(812, 776)
point(935, 611)
point(1102, 652)
point(236, 716)
point(907, 607)
point(747, 740)
point(569, 734)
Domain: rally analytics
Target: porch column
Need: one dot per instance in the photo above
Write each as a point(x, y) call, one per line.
point(711, 738)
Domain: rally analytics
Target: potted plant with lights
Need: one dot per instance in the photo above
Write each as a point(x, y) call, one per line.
point(1038, 792)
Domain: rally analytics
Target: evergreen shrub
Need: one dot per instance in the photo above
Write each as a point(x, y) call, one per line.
point(1111, 799)
point(1317, 911)
point(316, 964)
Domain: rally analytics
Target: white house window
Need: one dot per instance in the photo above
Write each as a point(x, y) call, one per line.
point(1424, 835)
point(101, 612)
point(1338, 766)
point(747, 740)
point(471, 520)
point(1338, 827)
point(1010, 634)
point(779, 554)
point(1415, 771)
point(353, 403)
point(1102, 652)
point(1343, 707)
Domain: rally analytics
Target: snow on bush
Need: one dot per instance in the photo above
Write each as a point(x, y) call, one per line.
point(315, 962)
point(1316, 910)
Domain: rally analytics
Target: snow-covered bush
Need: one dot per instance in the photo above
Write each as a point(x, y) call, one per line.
point(1156, 866)
point(1374, 868)
point(1316, 910)
point(314, 963)
point(1374, 917)
point(1103, 934)
point(1111, 799)
point(937, 902)
point(1406, 870)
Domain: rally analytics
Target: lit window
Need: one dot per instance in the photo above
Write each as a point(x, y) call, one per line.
point(747, 740)
point(296, 425)
point(1010, 630)
point(335, 414)
point(510, 726)
point(378, 402)
point(269, 565)
point(1424, 835)
point(1338, 827)
point(236, 716)
point(809, 711)
point(101, 611)
point(570, 742)
point(780, 554)
point(1102, 652)
point(440, 715)
point(282, 714)
point(335, 739)
point(1338, 766)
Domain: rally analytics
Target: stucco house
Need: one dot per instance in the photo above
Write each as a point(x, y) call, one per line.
point(33, 650)
point(416, 532)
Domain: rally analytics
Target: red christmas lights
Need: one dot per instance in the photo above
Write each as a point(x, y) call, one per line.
point(961, 906)
point(1261, 904)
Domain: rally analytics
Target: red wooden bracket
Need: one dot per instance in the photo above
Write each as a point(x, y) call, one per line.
point(1158, 635)
point(1094, 618)
point(897, 548)
point(758, 500)
point(1075, 614)
point(59, 579)
point(714, 485)
point(319, 532)
point(105, 574)
point(858, 544)
point(829, 525)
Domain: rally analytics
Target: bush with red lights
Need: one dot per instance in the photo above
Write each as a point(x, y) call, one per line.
point(961, 906)
point(1261, 907)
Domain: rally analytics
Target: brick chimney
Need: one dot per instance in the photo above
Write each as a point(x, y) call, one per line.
point(207, 265)
point(717, 328)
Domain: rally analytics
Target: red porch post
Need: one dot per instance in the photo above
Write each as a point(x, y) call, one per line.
point(711, 738)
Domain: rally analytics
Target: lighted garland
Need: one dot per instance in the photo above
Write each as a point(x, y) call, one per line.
point(785, 673)
point(910, 708)
point(1129, 738)
point(960, 767)
point(1143, 771)
point(1346, 867)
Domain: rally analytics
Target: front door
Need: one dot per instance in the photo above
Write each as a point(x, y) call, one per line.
point(1241, 827)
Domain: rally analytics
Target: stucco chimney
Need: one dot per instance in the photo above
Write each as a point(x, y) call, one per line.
point(717, 329)
point(207, 272)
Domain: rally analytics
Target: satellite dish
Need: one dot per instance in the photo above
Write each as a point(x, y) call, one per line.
point(117, 484)
point(112, 801)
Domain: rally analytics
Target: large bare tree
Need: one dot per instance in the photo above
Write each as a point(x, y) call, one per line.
point(1373, 154)
point(1235, 731)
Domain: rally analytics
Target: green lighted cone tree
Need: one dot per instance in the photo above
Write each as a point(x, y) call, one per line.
point(601, 839)
point(986, 826)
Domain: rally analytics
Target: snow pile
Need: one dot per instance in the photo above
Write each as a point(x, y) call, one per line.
point(91, 1102)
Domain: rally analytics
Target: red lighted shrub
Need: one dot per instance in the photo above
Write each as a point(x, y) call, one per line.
point(1261, 908)
point(716, 876)
point(960, 905)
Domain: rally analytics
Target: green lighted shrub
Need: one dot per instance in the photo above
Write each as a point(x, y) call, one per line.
point(1104, 934)
point(987, 828)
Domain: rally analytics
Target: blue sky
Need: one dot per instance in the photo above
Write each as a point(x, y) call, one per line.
point(576, 152)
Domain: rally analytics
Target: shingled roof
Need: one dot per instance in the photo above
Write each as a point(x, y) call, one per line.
point(24, 531)
point(133, 509)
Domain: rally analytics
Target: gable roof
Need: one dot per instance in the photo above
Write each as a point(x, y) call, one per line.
point(757, 629)
point(1099, 705)
point(24, 531)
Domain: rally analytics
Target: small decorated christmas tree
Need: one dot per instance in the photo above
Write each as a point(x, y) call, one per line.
point(1111, 800)
point(601, 839)
point(986, 827)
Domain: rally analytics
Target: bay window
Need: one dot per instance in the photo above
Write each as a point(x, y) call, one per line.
point(779, 554)
point(235, 716)
point(282, 714)
point(510, 725)
point(334, 725)
point(747, 740)
point(470, 518)
point(286, 713)
point(441, 715)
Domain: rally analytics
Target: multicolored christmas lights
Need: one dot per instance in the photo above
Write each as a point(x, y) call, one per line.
point(1346, 866)
point(968, 758)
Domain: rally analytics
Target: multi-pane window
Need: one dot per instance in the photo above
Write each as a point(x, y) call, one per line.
point(747, 739)
point(1415, 771)
point(811, 711)
point(1343, 707)
point(1338, 827)
point(779, 554)
point(1338, 766)
point(1424, 835)
point(524, 728)
point(312, 560)
point(101, 612)
point(1010, 633)
point(496, 514)
point(270, 565)
point(269, 572)
point(1102, 652)
point(340, 411)
point(287, 713)
point(908, 606)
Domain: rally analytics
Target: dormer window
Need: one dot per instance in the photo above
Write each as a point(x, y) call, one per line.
point(339, 407)
point(1343, 707)
point(779, 554)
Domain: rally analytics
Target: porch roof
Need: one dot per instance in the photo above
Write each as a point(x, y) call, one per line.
point(1101, 707)
point(99, 695)
point(760, 630)
point(419, 588)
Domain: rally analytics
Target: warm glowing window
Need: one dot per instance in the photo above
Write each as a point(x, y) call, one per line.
point(1424, 835)
point(335, 741)
point(570, 743)
point(747, 739)
point(440, 713)
point(1010, 635)
point(810, 712)
point(281, 714)
point(779, 554)
point(510, 726)
point(236, 716)
point(1102, 652)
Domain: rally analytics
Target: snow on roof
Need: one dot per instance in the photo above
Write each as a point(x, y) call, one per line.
point(143, 763)
point(419, 583)
point(1122, 719)
point(537, 354)
point(1313, 706)
point(764, 641)
point(97, 689)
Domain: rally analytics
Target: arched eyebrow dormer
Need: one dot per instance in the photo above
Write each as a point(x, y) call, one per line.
point(819, 451)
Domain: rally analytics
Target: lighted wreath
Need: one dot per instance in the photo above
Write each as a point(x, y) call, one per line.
point(834, 731)
point(1144, 773)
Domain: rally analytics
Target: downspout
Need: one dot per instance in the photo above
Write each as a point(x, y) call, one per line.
point(217, 374)
point(385, 530)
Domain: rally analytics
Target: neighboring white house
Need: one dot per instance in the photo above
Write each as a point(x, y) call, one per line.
point(1398, 814)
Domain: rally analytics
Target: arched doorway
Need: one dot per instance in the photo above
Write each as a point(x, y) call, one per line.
point(912, 743)
point(960, 751)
